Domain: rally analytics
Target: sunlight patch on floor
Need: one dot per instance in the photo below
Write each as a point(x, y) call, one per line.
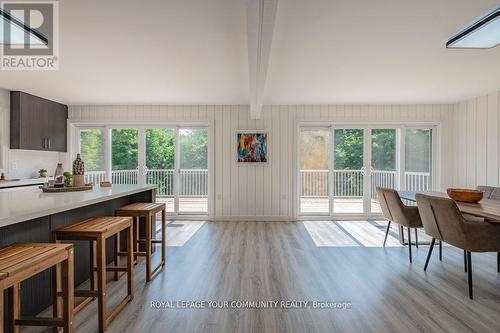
point(351, 233)
point(179, 232)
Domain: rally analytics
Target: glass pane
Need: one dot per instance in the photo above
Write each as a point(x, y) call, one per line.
point(92, 153)
point(313, 145)
point(124, 155)
point(347, 173)
point(193, 173)
point(418, 159)
point(160, 154)
point(383, 163)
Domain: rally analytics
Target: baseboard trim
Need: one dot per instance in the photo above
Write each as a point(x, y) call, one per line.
point(253, 218)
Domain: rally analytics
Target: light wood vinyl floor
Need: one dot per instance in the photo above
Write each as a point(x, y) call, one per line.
point(280, 261)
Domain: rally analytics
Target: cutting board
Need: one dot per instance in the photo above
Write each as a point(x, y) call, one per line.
point(8, 180)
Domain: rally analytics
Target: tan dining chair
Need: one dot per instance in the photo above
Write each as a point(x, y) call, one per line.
point(490, 192)
point(396, 211)
point(443, 220)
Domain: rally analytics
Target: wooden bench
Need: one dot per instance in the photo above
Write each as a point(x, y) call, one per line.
point(19, 262)
point(147, 210)
point(96, 231)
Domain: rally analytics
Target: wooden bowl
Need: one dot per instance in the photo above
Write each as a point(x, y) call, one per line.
point(465, 195)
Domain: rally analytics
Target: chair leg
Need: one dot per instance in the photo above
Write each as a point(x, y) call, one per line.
point(387, 232)
point(163, 237)
point(117, 257)
point(416, 238)
point(15, 305)
point(440, 250)
point(101, 283)
point(429, 254)
point(67, 281)
point(148, 247)
point(469, 273)
point(465, 260)
point(409, 243)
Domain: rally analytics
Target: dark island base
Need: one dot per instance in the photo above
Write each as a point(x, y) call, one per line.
point(36, 293)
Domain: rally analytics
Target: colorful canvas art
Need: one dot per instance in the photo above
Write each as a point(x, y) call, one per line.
point(252, 147)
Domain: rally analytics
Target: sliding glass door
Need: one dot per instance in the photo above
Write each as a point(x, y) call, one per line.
point(174, 159)
point(193, 170)
point(384, 166)
point(125, 156)
point(314, 157)
point(341, 167)
point(160, 164)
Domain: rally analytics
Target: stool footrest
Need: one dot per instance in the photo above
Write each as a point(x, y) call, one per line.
point(155, 241)
point(116, 268)
point(140, 254)
point(85, 293)
point(40, 321)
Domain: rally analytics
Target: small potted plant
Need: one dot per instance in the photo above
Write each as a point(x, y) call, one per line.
point(42, 173)
point(68, 179)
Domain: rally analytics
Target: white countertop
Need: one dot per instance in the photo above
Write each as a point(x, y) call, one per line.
point(22, 182)
point(25, 203)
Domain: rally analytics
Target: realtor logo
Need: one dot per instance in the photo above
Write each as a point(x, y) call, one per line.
point(29, 35)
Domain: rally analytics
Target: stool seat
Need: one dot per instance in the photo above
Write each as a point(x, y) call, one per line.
point(97, 226)
point(140, 208)
point(18, 258)
point(20, 262)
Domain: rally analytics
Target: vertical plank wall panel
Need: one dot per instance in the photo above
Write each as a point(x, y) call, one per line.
point(481, 139)
point(267, 191)
point(219, 171)
point(233, 175)
point(274, 160)
point(226, 159)
point(476, 126)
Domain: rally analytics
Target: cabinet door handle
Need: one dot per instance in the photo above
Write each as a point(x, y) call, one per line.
point(49, 142)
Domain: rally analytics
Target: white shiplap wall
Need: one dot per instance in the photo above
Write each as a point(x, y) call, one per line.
point(476, 125)
point(266, 192)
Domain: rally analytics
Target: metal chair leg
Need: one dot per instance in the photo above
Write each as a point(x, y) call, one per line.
point(465, 261)
point(440, 250)
point(429, 254)
point(416, 238)
point(469, 273)
point(387, 231)
point(409, 243)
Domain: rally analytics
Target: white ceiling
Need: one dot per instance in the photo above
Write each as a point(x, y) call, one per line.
point(324, 51)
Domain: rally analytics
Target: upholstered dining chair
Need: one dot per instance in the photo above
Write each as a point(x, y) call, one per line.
point(443, 220)
point(396, 211)
point(490, 192)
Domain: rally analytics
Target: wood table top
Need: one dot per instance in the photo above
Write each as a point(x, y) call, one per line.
point(486, 208)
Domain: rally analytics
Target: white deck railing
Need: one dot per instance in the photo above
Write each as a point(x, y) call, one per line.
point(192, 182)
point(349, 183)
point(314, 183)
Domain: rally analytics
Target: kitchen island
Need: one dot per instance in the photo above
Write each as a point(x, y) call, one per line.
point(29, 215)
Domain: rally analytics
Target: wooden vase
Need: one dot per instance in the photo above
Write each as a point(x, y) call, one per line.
point(78, 180)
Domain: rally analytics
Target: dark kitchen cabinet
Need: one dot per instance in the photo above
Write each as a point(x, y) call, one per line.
point(37, 123)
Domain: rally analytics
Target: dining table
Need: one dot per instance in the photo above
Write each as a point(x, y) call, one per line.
point(486, 208)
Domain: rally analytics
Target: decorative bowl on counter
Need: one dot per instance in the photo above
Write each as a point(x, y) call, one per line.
point(465, 195)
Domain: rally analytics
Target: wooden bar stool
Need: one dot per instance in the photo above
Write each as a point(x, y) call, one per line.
point(147, 210)
point(19, 262)
point(96, 231)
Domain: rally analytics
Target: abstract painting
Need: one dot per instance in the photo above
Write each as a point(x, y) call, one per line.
point(252, 147)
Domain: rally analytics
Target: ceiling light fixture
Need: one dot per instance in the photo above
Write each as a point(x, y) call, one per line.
point(482, 34)
point(19, 31)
